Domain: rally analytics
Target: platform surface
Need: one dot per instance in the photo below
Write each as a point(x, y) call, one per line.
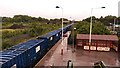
point(79, 57)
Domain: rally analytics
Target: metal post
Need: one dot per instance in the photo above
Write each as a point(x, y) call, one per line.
point(73, 38)
point(62, 28)
point(91, 27)
point(114, 25)
point(90, 30)
point(73, 34)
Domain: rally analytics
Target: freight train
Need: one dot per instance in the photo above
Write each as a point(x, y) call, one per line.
point(26, 54)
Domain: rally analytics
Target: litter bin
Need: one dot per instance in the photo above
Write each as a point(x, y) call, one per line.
point(99, 64)
point(70, 64)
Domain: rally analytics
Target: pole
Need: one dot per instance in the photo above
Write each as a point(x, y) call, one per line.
point(62, 32)
point(90, 30)
point(91, 27)
point(62, 26)
point(73, 34)
point(62, 29)
point(114, 25)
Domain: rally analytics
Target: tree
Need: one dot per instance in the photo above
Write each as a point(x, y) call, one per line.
point(39, 19)
point(23, 18)
point(105, 20)
point(35, 30)
point(83, 27)
point(108, 19)
point(100, 29)
point(6, 19)
point(94, 19)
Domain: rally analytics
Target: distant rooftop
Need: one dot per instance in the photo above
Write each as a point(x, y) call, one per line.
point(98, 37)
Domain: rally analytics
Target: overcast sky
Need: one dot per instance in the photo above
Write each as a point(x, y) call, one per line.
point(76, 9)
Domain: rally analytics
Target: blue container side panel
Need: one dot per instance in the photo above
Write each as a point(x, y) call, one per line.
point(16, 55)
point(7, 61)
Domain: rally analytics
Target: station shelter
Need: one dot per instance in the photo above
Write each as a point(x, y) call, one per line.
point(98, 42)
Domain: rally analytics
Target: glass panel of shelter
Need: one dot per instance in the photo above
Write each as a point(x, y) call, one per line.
point(104, 43)
point(86, 43)
point(93, 42)
point(100, 43)
point(97, 43)
point(80, 42)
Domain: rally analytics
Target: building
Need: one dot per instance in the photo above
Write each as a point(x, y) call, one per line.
point(98, 42)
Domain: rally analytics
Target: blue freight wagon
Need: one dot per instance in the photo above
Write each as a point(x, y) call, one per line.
point(57, 34)
point(60, 30)
point(48, 38)
point(33, 50)
point(64, 30)
point(12, 57)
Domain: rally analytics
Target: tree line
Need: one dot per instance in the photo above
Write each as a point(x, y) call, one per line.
point(105, 20)
point(26, 18)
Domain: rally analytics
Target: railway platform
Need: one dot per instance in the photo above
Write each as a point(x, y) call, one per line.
point(80, 58)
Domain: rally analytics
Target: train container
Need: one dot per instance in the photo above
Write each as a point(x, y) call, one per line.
point(33, 50)
point(48, 38)
point(69, 26)
point(64, 30)
point(20, 57)
point(6, 61)
point(11, 57)
point(57, 35)
point(60, 30)
point(23, 57)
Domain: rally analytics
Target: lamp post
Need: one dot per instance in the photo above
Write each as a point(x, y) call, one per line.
point(73, 37)
point(114, 25)
point(62, 29)
point(91, 26)
point(73, 33)
point(73, 30)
